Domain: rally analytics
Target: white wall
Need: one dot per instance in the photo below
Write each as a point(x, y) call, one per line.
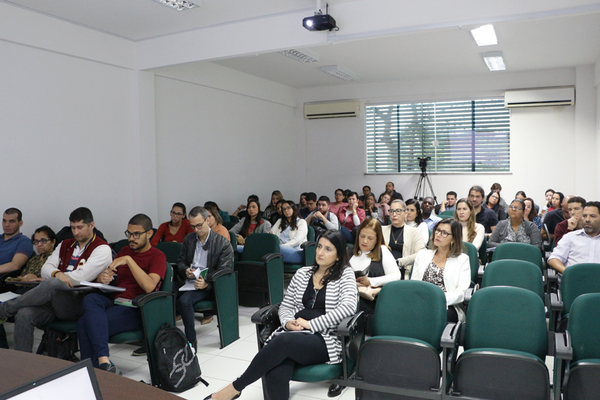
point(66, 132)
point(215, 143)
point(549, 146)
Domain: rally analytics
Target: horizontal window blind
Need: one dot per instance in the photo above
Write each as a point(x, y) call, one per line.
point(459, 136)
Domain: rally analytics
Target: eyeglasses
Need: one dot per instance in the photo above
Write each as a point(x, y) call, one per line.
point(286, 208)
point(197, 227)
point(396, 211)
point(135, 235)
point(176, 214)
point(442, 233)
point(42, 241)
point(515, 208)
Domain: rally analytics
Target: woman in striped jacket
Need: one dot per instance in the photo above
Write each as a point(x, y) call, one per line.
point(316, 301)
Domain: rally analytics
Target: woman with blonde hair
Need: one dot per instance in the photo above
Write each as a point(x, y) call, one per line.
point(472, 231)
point(373, 263)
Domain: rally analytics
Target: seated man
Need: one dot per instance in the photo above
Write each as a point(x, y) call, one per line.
point(429, 216)
point(140, 269)
point(350, 217)
point(15, 248)
point(311, 205)
point(74, 260)
point(575, 206)
point(582, 246)
point(366, 192)
point(202, 249)
point(447, 205)
point(322, 219)
point(483, 215)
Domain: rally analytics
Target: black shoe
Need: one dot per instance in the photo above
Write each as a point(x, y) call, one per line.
point(110, 367)
point(209, 397)
point(335, 390)
point(139, 352)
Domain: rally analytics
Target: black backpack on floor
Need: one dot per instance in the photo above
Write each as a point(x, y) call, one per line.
point(177, 365)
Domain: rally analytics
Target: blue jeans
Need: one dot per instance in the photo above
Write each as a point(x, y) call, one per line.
point(348, 235)
point(101, 319)
point(185, 308)
point(291, 255)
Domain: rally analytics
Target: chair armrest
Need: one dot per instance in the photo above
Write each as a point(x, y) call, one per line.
point(352, 331)
point(469, 293)
point(265, 314)
point(450, 342)
point(480, 272)
point(220, 273)
point(562, 346)
point(307, 244)
point(552, 275)
point(143, 299)
point(450, 335)
point(271, 256)
point(349, 324)
point(556, 303)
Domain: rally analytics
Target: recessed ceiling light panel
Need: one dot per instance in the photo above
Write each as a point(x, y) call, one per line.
point(304, 56)
point(494, 60)
point(179, 5)
point(485, 35)
point(340, 73)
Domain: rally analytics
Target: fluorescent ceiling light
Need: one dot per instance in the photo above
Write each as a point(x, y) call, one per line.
point(340, 73)
point(485, 35)
point(494, 60)
point(304, 56)
point(179, 5)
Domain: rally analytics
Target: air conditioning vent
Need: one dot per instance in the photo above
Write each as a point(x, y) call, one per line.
point(336, 109)
point(562, 96)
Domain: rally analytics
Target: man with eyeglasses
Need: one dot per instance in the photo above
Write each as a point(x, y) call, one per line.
point(574, 221)
point(404, 241)
point(15, 248)
point(204, 253)
point(139, 269)
point(82, 258)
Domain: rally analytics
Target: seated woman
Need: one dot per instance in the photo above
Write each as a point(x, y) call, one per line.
point(224, 214)
point(414, 219)
point(271, 209)
point(302, 202)
point(292, 231)
point(446, 266)
point(372, 210)
point(174, 230)
point(44, 240)
point(404, 241)
point(215, 223)
point(339, 201)
point(254, 223)
point(548, 205)
point(373, 263)
point(530, 213)
point(515, 228)
point(275, 217)
point(493, 203)
point(557, 199)
point(472, 231)
point(520, 195)
point(317, 299)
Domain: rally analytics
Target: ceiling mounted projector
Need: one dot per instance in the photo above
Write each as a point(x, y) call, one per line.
point(319, 22)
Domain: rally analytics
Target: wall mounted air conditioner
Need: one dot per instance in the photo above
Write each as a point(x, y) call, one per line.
point(560, 96)
point(332, 109)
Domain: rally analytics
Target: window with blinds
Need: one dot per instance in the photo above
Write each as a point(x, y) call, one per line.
point(459, 136)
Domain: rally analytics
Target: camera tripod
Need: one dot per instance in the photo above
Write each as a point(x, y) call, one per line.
point(421, 191)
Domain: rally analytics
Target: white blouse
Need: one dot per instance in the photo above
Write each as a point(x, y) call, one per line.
point(390, 267)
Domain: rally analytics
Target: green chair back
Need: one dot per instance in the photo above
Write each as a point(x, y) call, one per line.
point(577, 280)
point(483, 251)
point(519, 251)
point(311, 234)
point(413, 309)
point(507, 318)
point(234, 219)
point(117, 246)
point(515, 273)
point(167, 283)
point(584, 326)
point(171, 250)
point(473, 260)
point(259, 244)
point(447, 214)
point(229, 224)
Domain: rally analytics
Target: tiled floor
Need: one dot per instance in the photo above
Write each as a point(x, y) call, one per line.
point(219, 366)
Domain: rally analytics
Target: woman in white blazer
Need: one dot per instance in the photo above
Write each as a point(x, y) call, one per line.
point(292, 231)
point(444, 264)
point(404, 241)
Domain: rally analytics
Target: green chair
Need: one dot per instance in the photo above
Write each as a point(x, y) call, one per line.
point(402, 358)
point(310, 250)
point(350, 330)
point(483, 257)
point(577, 280)
point(473, 260)
point(522, 251)
point(260, 271)
point(505, 343)
point(514, 273)
point(117, 246)
point(224, 305)
point(234, 219)
point(446, 214)
point(171, 251)
point(582, 373)
point(229, 224)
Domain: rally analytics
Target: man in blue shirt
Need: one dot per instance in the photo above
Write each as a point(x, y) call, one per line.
point(15, 248)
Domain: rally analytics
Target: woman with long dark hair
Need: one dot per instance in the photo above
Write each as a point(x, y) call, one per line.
point(492, 202)
point(175, 229)
point(317, 299)
point(340, 201)
point(472, 231)
point(414, 218)
point(253, 223)
point(292, 232)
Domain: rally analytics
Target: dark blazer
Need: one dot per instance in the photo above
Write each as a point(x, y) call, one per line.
point(220, 255)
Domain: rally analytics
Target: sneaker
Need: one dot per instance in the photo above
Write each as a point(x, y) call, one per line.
point(110, 367)
point(139, 352)
point(206, 320)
